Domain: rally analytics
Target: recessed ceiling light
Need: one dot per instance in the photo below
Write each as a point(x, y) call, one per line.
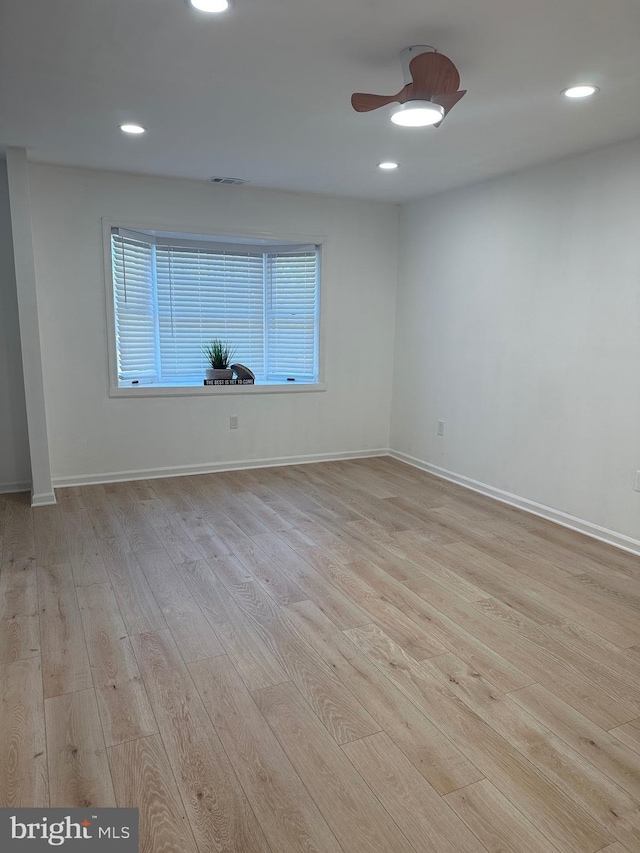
point(131, 128)
point(580, 91)
point(417, 114)
point(211, 6)
point(388, 165)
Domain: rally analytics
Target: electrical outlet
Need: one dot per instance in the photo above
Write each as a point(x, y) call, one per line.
point(636, 485)
point(440, 427)
point(233, 422)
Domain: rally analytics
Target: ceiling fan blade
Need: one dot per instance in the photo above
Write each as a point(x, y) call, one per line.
point(448, 101)
point(434, 74)
point(363, 103)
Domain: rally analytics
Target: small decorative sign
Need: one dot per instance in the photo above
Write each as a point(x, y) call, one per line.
point(228, 381)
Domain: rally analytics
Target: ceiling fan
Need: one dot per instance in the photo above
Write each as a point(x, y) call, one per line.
point(430, 91)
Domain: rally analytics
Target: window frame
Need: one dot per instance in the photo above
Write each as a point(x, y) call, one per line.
point(176, 390)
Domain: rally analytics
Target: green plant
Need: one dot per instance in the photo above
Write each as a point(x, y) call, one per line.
point(218, 353)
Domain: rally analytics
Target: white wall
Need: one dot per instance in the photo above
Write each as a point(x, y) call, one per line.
point(91, 434)
point(14, 444)
point(518, 324)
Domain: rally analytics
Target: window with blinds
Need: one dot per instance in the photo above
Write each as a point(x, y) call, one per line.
point(172, 295)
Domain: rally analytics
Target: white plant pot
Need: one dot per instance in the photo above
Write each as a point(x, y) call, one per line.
point(216, 373)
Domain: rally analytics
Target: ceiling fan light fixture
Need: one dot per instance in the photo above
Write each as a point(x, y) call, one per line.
point(388, 165)
point(134, 129)
point(580, 91)
point(417, 114)
point(213, 7)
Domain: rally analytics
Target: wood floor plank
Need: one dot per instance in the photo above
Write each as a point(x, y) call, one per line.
point(229, 532)
point(554, 592)
point(173, 537)
point(629, 734)
point(241, 515)
point(611, 697)
point(271, 575)
point(412, 803)
point(125, 712)
point(70, 498)
point(434, 562)
point(495, 821)
point(593, 549)
point(136, 601)
point(343, 716)
point(453, 636)
point(18, 541)
point(103, 517)
point(216, 806)
point(86, 560)
point(318, 483)
point(555, 814)
point(298, 497)
point(346, 802)
point(200, 531)
point(603, 749)
point(173, 492)
point(351, 471)
point(256, 664)
point(616, 586)
point(122, 700)
point(600, 655)
point(79, 774)
point(50, 539)
point(418, 641)
point(94, 497)
point(432, 754)
point(194, 636)
point(19, 572)
point(137, 529)
point(110, 652)
point(287, 814)
point(19, 619)
point(65, 663)
point(24, 781)
point(543, 664)
point(289, 514)
point(598, 795)
point(142, 779)
point(313, 585)
point(270, 516)
point(450, 635)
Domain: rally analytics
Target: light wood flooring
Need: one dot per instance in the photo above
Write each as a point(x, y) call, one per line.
point(350, 656)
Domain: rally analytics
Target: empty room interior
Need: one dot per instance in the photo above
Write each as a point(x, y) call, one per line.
point(320, 426)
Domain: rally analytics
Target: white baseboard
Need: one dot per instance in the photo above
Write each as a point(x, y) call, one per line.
point(43, 499)
point(20, 486)
point(618, 540)
point(211, 467)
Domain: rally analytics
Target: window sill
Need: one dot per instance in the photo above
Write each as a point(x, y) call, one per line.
point(216, 390)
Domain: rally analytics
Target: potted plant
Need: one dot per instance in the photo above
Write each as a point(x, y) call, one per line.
point(219, 354)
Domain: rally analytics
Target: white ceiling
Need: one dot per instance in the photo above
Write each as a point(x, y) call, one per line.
point(263, 92)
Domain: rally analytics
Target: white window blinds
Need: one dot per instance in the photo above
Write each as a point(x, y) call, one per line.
point(291, 314)
point(135, 309)
point(208, 294)
point(173, 295)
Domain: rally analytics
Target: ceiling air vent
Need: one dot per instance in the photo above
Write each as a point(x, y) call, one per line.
point(238, 182)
